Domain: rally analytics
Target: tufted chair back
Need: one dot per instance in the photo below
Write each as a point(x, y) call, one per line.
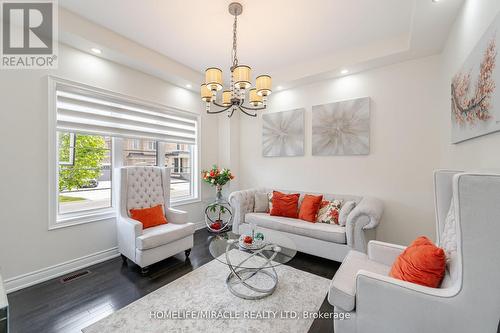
point(143, 187)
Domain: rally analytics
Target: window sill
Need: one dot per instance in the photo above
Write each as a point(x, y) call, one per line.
point(182, 202)
point(68, 221)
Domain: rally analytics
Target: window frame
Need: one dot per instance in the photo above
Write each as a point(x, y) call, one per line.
point(194, 166)
point(55, 221)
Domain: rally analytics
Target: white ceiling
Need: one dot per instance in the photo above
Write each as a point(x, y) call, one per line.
point(290, 39)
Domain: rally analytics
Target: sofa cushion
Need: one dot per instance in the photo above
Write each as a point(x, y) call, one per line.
point(286, 205)
point(149, 217)
point(343, 286)
point(163, 234)
point(309, 207)
point(261, 202)
point(345, 210)
point(329, 211)
point(327, 232)
point(422, 263)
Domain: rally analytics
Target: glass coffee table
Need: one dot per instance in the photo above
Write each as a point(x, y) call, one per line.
point(252, 270)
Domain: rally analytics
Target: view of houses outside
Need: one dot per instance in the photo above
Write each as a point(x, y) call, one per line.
point(85, 178)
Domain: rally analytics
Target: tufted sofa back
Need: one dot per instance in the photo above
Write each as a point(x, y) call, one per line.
point(326, 196)
point(143, 187)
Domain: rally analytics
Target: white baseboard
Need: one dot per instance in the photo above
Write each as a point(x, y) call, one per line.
point(199, 225)
point(44, 274)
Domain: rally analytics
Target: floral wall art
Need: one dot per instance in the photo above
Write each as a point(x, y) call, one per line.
point(341, 128)
point(283, 133)
point(475, 100)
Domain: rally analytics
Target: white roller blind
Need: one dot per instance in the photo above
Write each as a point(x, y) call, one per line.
point(90, 112)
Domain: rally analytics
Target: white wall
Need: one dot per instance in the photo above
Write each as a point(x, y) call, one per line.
point(404, 146)
point(26, 244)
point(478, 153)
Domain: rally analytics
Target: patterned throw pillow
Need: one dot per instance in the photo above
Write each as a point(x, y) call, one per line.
point(270, 199)
point(449, 236)
point(329, 211)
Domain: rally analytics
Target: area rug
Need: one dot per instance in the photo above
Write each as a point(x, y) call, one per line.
point(200, 302)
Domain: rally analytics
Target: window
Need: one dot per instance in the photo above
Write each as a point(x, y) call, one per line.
point(179, 157)
point(84, 177)
point(139, 152)
point(95, 132)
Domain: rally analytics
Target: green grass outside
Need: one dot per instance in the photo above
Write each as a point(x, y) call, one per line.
point(64, 198)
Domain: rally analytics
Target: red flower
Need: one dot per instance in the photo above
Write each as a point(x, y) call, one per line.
point(212, 173)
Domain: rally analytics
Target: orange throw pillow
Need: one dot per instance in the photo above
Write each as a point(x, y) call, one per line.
point(286, 205)
point(310, 207)
point(149, 217)
point(422, 263)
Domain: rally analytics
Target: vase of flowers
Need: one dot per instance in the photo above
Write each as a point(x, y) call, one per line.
point(218, 215)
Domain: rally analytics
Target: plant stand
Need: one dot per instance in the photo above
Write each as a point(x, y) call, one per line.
point(218, 214)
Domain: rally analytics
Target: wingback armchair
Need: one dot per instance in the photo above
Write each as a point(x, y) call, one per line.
point(468, 299)
point(143, 187)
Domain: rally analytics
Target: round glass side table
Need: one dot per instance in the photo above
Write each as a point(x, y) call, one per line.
point(252, 274)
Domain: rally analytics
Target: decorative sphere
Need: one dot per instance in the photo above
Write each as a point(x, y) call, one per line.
point(259, 236)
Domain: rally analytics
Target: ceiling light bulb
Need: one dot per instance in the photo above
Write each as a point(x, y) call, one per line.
point(96, 50)
point(344, 71)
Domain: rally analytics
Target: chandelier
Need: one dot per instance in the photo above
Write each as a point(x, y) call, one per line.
point(234, 98)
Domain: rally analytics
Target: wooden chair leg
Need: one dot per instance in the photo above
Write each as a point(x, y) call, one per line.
point(144, 270)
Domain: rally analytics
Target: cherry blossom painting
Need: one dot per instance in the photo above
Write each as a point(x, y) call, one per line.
point(475, 101)
point(341, 128)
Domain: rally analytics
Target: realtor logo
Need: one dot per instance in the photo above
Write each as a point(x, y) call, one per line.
point(29, 34)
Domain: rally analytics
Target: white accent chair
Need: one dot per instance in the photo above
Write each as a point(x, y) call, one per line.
point(468, 299)
point(143, 187)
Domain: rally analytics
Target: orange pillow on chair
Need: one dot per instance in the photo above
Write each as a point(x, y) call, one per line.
point(422, 263)
point(149, 217)
point(286, 205)
point(310, 207)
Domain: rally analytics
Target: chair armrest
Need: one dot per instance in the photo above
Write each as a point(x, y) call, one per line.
point(384, 253)
point(176, 216)
point(379, 298)
point(371, 208)
point(127, 230)
point(242, 202)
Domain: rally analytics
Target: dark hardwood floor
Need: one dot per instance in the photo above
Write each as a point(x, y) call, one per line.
point(56, 307)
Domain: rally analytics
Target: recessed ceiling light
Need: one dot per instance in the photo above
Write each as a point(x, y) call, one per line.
point(435, 0)
point(279, 88)
point(96, 50)
point(344, 71)
point(188, 86)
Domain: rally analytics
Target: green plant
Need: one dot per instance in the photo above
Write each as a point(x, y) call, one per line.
point(89, 154)
point(222, 210)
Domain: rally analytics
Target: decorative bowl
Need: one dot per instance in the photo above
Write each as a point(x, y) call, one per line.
point(256, 244)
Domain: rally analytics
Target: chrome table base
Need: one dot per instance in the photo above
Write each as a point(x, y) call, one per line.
point(241, 276)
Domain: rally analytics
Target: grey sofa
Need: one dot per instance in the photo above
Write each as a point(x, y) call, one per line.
point(324, 240)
